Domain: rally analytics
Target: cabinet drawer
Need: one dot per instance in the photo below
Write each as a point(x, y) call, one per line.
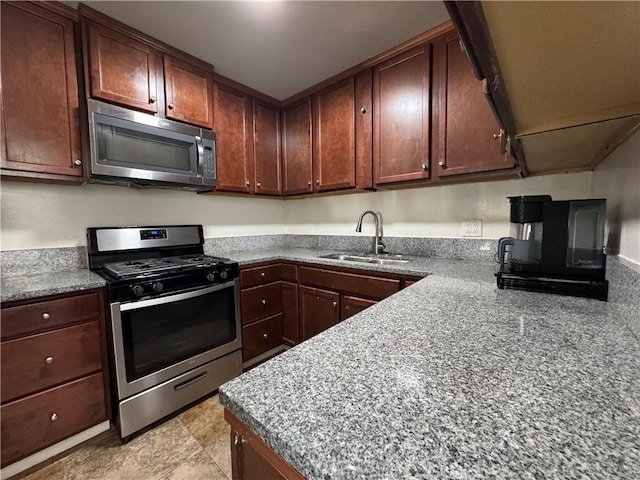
point(40, 361)
point(49, 314)
point(373, 287)
point(261, 336)
point(260, 302)
point(35, 422)
point(260, 275)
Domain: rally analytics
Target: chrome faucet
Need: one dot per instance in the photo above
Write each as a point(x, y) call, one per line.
point(378, 246)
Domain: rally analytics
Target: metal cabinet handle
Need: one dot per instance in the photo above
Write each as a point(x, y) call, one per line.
point(317, 182)
point(497, 135)
point(309, 183)
point(243, 440)
point(335, 304)
point(363, 110)
point(77, 162)
point(424, 167)
point(248, 183)
point(235, 439)
point(48, 360)
point(54, 417)
point(264, 302)
point(258, 184)
point(262, 274)
point(170, 106)
point(152, 100)
point(441, 164)
point(265, 335)
point(46, 316)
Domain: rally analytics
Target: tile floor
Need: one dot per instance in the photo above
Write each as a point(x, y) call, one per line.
point(192, 446)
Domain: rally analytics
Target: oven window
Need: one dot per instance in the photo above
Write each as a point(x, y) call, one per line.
point(159, 336)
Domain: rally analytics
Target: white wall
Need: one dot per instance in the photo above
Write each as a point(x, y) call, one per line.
point(432, 211)
point(45, 216)
point(617, 179)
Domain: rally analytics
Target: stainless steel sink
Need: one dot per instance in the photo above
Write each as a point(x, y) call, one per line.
point(380, 259)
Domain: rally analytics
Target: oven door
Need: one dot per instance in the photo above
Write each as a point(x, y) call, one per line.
point(157, 339)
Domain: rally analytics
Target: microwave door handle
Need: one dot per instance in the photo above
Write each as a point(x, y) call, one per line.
point(200, 150)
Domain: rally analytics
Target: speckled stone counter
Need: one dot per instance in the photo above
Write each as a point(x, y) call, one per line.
point(453, 378)
point(21, 287)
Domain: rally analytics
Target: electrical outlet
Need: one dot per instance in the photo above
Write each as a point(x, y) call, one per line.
point(472, 228)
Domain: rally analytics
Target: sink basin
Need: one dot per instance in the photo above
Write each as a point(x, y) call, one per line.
point(382, 259)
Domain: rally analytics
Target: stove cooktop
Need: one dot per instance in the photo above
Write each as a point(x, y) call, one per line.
point(152, 266)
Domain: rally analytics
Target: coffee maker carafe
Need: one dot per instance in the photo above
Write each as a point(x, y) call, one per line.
point(554, 246)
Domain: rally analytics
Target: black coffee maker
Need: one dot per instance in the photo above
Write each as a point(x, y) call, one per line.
point(555, 247)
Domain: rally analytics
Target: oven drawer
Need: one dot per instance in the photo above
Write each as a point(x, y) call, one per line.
point(261, 302)
point(40, 361)
point(40, 316)
point(40, 420)
point(261, 336)
point(252, 277)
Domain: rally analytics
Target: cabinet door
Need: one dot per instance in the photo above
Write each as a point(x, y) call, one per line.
point(297, 157)
point(349, 306)
point(466, 123)
point(290, 334)
point(401, 95)
point(334, 137)
point(266, 148)
point(189, 92)
point(40, 119)
point(123, 70)
point(234, 144)
point(318, 310)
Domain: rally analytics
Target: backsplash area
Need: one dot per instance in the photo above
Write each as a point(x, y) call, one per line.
point(623, 276)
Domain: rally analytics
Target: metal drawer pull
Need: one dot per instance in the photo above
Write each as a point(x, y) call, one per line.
point(264, 302)
point(48, 360)
point(54, 417)
point(265, 335)
point(46, 316)
point(190, 382)
point(335, 304)
point(262, 274)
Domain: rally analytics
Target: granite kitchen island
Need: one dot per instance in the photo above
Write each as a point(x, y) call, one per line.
point(453, 378)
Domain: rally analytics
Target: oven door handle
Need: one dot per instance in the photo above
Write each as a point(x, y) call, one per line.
point(136, 305)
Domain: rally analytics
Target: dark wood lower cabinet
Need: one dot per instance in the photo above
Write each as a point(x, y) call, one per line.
point(290, 330)
point(252, 459)
point(319, 310)
point(261, 336)
point(349, 306)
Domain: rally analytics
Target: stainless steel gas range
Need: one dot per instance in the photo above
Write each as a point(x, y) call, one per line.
point(175, 321)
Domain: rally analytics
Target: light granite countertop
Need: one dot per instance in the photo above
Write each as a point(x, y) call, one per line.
point(452, 378)
point(20, 287)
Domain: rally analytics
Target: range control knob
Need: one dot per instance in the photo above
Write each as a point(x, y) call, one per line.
point(157, 287)
point(223, 274)
point(137, 290)
point(211, 277)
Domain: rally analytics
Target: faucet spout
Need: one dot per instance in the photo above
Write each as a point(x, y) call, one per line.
point(378, 246)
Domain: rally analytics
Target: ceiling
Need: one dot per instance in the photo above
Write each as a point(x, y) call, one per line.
point(278, 47)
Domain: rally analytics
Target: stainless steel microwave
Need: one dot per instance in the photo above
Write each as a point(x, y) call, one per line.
point(137, 149)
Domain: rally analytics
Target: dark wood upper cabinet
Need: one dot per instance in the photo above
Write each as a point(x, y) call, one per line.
point(401, 100)
point(297, 150)
point(40, 107)
point(334, 137)
point(234, 142)
point(466, 123)
point(266, 148)
point(124, 70)
point(189, 92)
